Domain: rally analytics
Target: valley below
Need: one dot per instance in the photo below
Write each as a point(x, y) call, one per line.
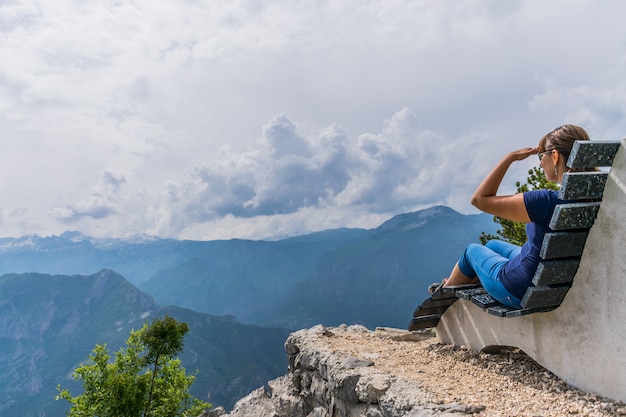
point(62, 295)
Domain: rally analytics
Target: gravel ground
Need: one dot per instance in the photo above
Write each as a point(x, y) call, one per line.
point(508, 383)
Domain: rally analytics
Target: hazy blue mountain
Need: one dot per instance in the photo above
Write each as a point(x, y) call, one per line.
point(379, 280)
point(375, 278)
point(141, 257)
point(292, 282)
point(50, 323)
point(137, 259)
point(244, 278)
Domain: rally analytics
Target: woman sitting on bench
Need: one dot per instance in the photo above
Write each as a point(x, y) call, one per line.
point(506, 270)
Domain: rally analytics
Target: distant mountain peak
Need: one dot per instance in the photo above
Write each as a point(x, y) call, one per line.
point(408, 221)
point(73, 236)
point(108, 243)
point(435, 211)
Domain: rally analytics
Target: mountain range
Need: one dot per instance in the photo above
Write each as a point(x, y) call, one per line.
point(50, 323)
point(62, 294)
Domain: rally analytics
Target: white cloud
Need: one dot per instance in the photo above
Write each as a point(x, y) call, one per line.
point(101, 203)
point(290, 172)
point(374, 107)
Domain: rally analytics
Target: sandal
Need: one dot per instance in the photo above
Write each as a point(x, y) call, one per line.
point(435, 286)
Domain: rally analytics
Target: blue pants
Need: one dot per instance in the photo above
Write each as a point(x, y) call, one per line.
point(485, 263)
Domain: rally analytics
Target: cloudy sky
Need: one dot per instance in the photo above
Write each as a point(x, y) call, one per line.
point(207, 119)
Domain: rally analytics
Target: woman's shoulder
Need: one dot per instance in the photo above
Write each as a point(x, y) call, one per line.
point(540, 204)
point(541, 198)
point(543, 194)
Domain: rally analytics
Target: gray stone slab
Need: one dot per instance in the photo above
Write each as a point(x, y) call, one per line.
point(442, 293)
point(468, 293)
point(424, 322)
point(499, 310)
point(563, 244)
point(436, 306)
point(574, 216)
point(455, 288)
point(589, 154)
point(526, 311)
point(544, 296)
point(484, 301)
point(557, 271)
point(583, 185)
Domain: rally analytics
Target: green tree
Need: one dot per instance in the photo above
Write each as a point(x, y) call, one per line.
point(145, 379)
point(515, 232)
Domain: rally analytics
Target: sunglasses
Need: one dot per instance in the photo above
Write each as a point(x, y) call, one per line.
point(540, 155)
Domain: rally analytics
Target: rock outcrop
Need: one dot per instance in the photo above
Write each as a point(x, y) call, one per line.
point(321, 382)
point(349, 371)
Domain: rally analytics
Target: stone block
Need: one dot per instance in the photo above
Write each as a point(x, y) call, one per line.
point(583, 185)
point(563, 244)
point(574, 216)
point(467, 294)
point(591, 154)
point(424, 322)
point(559, 271)
point(433, 306)
point(484, 301)
point(544, 296)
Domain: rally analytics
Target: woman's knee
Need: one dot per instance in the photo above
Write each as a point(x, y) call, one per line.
point(473, 247)
point(469, 258)
point(502, 248)
point(493, 244)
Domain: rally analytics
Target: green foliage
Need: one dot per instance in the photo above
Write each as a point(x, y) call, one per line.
point(164, 338)
point(145, 379)
point(515, 232)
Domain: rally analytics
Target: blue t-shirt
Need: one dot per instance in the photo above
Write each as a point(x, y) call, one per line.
point(517, 274)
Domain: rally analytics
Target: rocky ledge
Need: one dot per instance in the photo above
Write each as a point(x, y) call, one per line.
point(351, 371)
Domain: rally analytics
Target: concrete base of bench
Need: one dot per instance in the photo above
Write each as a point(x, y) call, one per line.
point(584, 340)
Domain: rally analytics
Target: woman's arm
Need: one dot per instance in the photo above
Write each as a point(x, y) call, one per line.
point(509, 207)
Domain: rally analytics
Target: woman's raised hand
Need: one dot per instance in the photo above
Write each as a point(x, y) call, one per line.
point(523, 153)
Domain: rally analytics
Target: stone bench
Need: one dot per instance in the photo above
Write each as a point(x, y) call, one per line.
point(561, 250)
point(582, 341)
